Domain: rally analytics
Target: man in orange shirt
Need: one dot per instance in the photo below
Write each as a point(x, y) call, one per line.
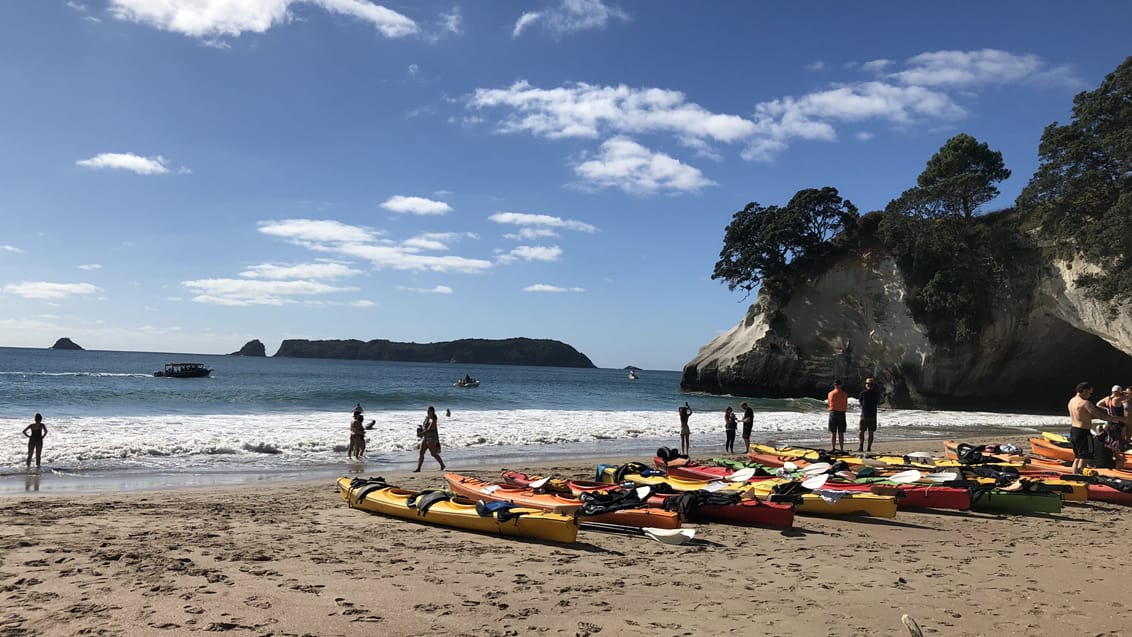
point(838, 401)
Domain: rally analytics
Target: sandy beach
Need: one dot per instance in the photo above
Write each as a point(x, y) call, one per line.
point(293, 559)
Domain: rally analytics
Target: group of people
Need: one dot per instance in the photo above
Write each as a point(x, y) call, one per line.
point(838, 401)
point(427, 432)
point(1113, 409)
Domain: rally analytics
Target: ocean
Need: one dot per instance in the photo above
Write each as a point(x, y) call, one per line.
point(114, 426)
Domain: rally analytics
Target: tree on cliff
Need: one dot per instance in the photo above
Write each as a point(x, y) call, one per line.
point(958, 179)
point(762, 241)
point(1082, 190)
point(956, 266)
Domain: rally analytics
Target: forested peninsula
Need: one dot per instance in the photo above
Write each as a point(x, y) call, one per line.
point(509, 351)
point(946, 305)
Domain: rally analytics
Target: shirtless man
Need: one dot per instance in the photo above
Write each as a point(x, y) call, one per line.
point(1082, 413)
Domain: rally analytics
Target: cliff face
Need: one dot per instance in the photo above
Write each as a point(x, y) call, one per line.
point(511, 351)
point(851, 322)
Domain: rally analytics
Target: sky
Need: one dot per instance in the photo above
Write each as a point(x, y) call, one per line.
point(188, 175)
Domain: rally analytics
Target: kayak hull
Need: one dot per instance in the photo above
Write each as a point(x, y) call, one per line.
point(394, 502)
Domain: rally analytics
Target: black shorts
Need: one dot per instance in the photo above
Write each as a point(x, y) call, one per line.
point(868, 423)
point(1082, 442)
point(747, 429)
point(837, 422)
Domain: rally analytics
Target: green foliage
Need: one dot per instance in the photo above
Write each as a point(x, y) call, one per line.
point(762, 242)
point(956, 181)
point(1081, 193)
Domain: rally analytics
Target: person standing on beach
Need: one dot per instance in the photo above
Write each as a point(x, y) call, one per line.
point(1082, 412)
point(869, 399)
point(730, 423)
point(357, 437)
point(748, 425)
point(838, 404)
point(685, 412)
point(1115, 434)
point(35, 432)
point(430, 440)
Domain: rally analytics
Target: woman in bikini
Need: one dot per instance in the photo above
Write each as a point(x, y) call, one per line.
point(35, 432)
point(430, 440)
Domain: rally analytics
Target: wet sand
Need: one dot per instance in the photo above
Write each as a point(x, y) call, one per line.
point(292, 559)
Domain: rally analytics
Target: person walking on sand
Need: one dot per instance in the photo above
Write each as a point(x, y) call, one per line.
point(685, 412)
point(35, 432)
point(838, 404)
point(730, 424)
point(430, 440)
point(748, 425)
point(1082, 412)
point(869, 399)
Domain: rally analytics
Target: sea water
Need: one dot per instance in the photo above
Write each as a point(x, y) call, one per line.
point(114, 425)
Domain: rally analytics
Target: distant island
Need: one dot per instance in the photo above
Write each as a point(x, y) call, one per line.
point(251, 348)
point(509, 351)
point(66, 343)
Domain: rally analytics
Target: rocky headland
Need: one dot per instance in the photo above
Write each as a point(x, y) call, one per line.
point(852, 322)
point(510, 351)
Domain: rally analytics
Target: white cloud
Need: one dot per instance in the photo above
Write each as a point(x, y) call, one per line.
point(864, 136)
point(540, 225)
point(983, 67)
point(219, 18)
point(47, 291)
point(413, 70)
point(625, 164)
point(816, 65)
point(440, 289)
point(416, 205)
point(362, 303)
point(452, 22)
point(90, 266)
point(532, 253)
point(240, 292)
point(527, 234)
point(127, 161)
point(316, 231)
point(542, 287)
point(570, 16)
point(321, 270)
point(588, 111)
point(8, 248)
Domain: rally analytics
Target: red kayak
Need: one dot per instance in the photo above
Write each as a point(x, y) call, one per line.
point(745, 512)
point(908, 496)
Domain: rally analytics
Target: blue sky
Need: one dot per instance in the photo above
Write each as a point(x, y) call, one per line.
point(187, 175)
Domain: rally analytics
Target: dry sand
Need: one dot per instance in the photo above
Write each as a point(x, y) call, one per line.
point(292, 559)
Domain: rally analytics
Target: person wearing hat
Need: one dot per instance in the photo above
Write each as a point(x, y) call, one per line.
point(838, 404)
point(869, 399)
point(1082, 412)
point(1114, 436)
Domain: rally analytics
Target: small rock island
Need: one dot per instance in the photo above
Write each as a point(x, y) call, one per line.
point(251, 348)
point(66, 343)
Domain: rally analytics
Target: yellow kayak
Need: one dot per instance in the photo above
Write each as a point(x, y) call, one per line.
point(831, 503)
point(377, 497)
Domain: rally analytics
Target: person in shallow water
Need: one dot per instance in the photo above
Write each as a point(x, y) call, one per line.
point(430, 440)
point(35, 432)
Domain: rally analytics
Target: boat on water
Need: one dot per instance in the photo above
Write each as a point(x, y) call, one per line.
point(183, 370)
point(468, 381)
point(633, 375)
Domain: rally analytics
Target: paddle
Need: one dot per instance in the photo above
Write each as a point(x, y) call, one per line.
point(815, 482)
point(905, 477)
point(789, 466)
point(538, 484)
point(816, 468)
point(943, 476)
point(742, 475)
point(664, 536)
